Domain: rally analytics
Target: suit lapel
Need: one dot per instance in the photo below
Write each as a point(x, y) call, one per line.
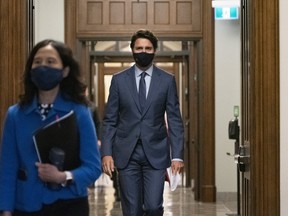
point(131, 84)
point(154, 86)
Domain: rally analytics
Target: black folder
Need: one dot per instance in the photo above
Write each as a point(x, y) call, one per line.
point(61, 133)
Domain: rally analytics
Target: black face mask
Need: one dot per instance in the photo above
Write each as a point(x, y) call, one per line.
point(143, 59)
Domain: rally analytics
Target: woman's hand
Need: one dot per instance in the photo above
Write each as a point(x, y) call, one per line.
point(50, 173)
point(6, 213)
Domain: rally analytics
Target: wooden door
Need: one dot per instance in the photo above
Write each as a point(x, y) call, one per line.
point(191, 122)
point(244, 150)
point(260, 146)
point(16, 40)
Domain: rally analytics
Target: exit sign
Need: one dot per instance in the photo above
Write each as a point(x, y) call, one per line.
point(226, 13)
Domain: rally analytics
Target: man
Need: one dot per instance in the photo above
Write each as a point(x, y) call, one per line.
point(135, 139)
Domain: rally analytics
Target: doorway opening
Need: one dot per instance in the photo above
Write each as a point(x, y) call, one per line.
point(110, 57)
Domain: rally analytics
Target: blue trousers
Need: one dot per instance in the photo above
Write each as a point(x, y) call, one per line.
point(141, 186)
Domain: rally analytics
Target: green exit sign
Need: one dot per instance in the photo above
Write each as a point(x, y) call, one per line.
point(226, 13)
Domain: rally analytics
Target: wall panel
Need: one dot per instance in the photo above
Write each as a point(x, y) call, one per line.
point(179, 18)
point(14, 44)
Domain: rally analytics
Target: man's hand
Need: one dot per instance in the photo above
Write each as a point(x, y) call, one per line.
point(176, 167)
point(108, 165)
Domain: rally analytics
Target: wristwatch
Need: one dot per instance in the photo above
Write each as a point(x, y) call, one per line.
point(69, 179)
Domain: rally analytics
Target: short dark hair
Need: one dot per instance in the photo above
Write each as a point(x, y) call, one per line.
point(143, 33)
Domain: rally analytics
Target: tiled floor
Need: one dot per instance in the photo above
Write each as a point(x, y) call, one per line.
point(179, 202)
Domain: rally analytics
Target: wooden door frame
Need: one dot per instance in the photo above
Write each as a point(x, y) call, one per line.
point(16, 40)
point(261, 189)
point(265, 122)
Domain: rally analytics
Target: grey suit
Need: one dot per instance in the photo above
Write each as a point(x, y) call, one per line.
point(128, 131)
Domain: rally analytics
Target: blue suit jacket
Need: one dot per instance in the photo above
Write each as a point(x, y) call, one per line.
point(123, 122)
point(18, 153)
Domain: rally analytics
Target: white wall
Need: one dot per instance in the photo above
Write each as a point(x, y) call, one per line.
point(49, 20)
point(283, 6)
point(227, 95)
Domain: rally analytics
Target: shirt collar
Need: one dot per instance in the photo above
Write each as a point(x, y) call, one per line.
point(138, 71)
point(58, 104)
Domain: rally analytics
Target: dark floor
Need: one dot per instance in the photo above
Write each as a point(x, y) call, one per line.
point(177, 203)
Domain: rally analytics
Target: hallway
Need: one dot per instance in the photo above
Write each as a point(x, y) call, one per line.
point(179, 202)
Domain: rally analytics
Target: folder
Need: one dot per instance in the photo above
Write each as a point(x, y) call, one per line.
point(61, 133)
point(173, 180)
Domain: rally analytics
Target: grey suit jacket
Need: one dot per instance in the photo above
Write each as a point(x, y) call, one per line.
point(123, 123)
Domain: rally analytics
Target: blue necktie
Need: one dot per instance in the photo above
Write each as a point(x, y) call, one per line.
point(142, 90)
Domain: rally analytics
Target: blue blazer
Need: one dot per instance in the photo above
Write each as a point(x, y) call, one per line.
point(123, 122)
point(18, 153)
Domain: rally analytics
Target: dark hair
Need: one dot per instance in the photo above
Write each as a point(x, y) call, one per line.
point(143, 33)
point(72, 85)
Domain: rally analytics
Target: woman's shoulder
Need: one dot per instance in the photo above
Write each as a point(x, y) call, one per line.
point(14, 109)
point(81, 109)
point(14, 112)
point(64, 101)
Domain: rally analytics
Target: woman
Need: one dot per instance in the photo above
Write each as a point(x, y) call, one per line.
point(52, 88)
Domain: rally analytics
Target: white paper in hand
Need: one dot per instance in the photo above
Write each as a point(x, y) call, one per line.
point(173, 179)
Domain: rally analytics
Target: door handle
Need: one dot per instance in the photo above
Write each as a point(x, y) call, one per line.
point(242, 159)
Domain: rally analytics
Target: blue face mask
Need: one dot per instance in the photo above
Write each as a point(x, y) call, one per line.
point(46, 78)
